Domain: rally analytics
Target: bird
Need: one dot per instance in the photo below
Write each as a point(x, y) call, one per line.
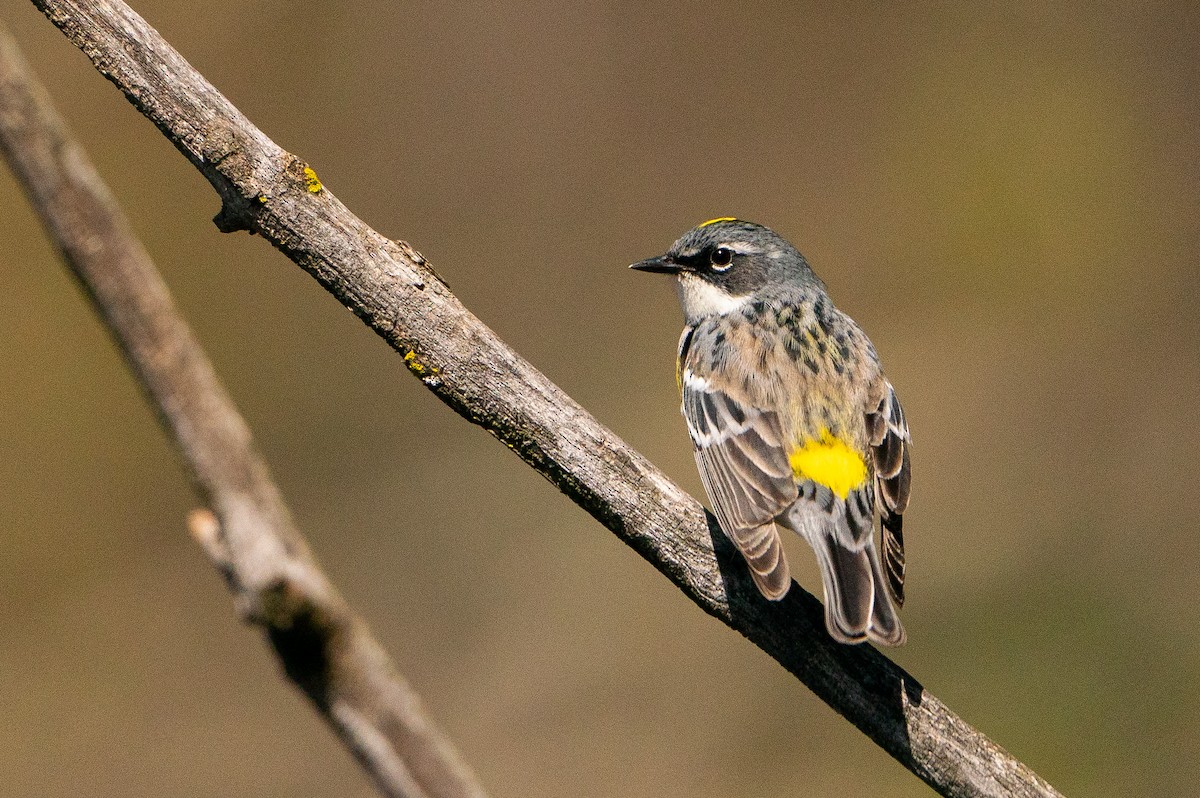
point(793, 422)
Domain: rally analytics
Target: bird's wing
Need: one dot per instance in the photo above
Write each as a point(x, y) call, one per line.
point(742, 460)
point(890, 441)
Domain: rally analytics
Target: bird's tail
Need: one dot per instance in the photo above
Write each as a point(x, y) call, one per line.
point(858, 606)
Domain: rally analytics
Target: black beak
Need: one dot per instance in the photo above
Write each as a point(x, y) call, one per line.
point(659, 265)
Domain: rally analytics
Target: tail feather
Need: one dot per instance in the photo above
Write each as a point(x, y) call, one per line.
point(886, 628)
point(858, 604)
point(849, 589)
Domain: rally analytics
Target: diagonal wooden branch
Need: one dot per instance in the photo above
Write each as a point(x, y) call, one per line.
point(390, 287)
point(325, 648)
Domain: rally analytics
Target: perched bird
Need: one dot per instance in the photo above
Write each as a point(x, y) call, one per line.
point(793, 422)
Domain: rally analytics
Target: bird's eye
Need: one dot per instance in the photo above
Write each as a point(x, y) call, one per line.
point(722, 259)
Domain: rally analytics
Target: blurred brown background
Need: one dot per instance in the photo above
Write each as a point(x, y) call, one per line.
point(1008, 200)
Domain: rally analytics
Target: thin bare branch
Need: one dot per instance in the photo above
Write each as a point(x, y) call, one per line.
point(325, 648)
point(389, 286)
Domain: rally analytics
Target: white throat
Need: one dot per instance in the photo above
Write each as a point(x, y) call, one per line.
point(701, 298)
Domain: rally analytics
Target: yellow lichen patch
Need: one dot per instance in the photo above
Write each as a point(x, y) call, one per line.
point(414, 365)
point(262, 200)
point(830, 462)
point(718, 219)
point(417, 367)
point(311, 181)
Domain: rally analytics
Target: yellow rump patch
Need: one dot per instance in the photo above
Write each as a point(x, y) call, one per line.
point(718, 219)
point(829, 462)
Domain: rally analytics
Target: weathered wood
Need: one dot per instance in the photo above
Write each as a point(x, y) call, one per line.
point(323, 645)
point(389, 286)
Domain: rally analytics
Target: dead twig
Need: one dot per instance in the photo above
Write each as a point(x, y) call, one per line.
point(325, 648)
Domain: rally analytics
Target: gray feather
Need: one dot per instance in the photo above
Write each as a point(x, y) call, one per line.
point(746, 474)
point(893, 480)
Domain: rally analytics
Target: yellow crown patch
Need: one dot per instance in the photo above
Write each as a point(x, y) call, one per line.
point(718, 219)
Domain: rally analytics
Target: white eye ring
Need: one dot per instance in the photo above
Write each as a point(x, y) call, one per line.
point(722, 259)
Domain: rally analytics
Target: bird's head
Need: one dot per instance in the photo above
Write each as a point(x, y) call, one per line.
point(724, 263)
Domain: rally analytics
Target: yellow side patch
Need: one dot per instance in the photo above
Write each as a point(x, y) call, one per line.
point(718, 219)
point(829, 462)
